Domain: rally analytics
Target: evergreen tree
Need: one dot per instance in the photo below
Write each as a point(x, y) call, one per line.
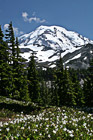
point(78, 89)
point(88, 86)
point(59, 81)
point(19, 80)
point(33, 86)
point(21, 86)
point(5, 70)
point(65, 89)
point(10, 39)
point(69, 91)
point(45, 94)
point(54, 95)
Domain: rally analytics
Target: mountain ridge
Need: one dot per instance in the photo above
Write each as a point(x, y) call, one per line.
point(48, 41)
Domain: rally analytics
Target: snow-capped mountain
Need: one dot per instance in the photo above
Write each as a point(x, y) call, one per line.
point(48, 41)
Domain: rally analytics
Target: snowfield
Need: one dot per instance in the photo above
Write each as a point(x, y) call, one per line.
point(47, 42)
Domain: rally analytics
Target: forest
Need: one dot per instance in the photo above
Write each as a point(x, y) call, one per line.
point(53, 89)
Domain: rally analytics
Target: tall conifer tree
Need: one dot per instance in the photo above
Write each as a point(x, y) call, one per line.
point(65, 90)
point(5, 72)
point(20, 75)
point(88, 86)
point(33, 86)
point(10, 39)
point(77, 88)
point(19, 80)
point(60, 80)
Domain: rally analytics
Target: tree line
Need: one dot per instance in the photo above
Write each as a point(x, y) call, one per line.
point(59, 86)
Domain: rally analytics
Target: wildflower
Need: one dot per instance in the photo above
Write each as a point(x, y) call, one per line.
point(65, 117)
point(70, 132)
point(18, 135)
point(64, 122)
point(64, 129)
point(12, 138)
point(84, 124)
point(49, 136)
point(6, 123)
point(36, 125)
point(22, 128)
point(90, 134)
point(54, 131)
point(47, 119)
point(28, 127)
point(1, 124)
point(83, 117)
point(47, 125)
point(46, 128)
point(81, 135)
point(61, 126)
point(40, 134)
point(35, 130)
point(11, 122)
point(7, 129)
point(71, 135)
point(47, 132)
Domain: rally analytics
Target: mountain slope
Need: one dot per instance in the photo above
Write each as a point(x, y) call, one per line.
point(48, 41)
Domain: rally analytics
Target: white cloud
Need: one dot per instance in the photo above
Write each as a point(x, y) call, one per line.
point(6, 26)
point(25, 16)
point(16, 30)
point(34, 18)
point(21, 32)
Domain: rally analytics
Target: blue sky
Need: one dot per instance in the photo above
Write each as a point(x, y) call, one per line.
point(27, 15)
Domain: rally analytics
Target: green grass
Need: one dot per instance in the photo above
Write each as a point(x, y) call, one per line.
point(18, 106)
point(54, 123)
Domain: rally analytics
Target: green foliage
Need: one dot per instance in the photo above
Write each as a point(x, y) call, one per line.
point(5, 70)
point(9, 107)
point(65, 89)
point(45, 94)
point(88, 86)
point(53, 123)
point(33, 85)
point(18, 73)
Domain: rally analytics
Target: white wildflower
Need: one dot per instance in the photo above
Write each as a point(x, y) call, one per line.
point(84, 124)
point(54, 131)
point(18, 135)
point(22, 128)
point(7, 129)
point(49, 135)
point(71, 135)
point(40, 134)
point(28, 127)
point(64, 129)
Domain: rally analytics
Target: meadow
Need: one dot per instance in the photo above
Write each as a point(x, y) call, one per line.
point(51, 123)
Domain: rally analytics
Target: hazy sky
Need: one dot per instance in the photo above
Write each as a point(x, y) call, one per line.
point(27, 15)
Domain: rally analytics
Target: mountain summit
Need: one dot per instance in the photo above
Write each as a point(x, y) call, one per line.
point(48, 41)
